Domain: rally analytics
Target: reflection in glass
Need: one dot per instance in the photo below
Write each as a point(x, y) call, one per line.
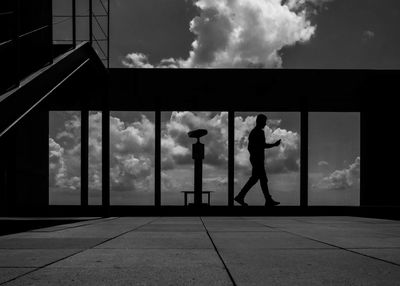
point(132, 158)
point(282, 163)
point(334, 158)
point(177, 166)
point(64, 157)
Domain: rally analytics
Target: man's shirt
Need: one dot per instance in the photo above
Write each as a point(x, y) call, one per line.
point(256, 144)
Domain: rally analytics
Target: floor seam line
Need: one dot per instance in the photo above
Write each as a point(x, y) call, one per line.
point(335, 246)
point(81, 251)
point(219, 255)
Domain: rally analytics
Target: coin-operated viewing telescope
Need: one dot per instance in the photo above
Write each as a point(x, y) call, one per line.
point(198, 156)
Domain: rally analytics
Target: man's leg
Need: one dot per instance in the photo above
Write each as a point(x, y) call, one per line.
point(250, 183)
point(264, 187)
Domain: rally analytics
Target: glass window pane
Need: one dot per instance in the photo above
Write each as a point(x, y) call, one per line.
point(334, 158)
point(95, 158)
point(132, 158)
point(64, 158)
point(282, 164)
point(62, 21)
point(177, 166)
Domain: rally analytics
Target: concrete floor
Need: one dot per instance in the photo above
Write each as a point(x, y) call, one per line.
point(205, 251)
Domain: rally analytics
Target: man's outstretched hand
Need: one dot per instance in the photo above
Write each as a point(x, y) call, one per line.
point(277, 143)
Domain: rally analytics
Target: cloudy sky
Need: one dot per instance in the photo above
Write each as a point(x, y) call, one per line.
point(334, 157)
point(361, 34)
point(256, 33)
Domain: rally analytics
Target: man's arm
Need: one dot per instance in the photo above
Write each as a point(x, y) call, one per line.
point(271, 145)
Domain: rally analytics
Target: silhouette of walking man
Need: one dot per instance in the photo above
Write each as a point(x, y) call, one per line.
point(256, 148)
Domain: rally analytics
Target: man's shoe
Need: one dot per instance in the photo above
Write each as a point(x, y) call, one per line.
point(271, 203)
point(240, 202)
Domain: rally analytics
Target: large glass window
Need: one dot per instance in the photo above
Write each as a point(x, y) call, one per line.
point(132, 158)
point(177, 166)
point(64, 158)
point(95, 158)
point(334, 158)
point(282, 163)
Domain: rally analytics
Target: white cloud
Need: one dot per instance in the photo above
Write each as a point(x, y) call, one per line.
point(132, 154)
point(218, 180)
point(136, 60)
point(176, 145)
point(63, 169)
point(282, 159)
point(341, 179)
point(241, 34)
point(139, 60)
point(368, 35)
point(95, 151)
point(132, 150)
point(302, 4)
point(323, 164)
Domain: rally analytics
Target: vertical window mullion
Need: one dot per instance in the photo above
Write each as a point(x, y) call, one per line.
point(231, 157)
point(304, 158)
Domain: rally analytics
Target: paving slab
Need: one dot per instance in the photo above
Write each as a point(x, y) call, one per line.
point(135, 275)
point(234, 225)
point(7, 274)
point(32, 257)
point(49, 243)
point(91, 233)
point(196, 222)
point(307, 267)
point(131, 220)
point(388, 254)
point(172, 227)
point(93, 258)
point(351, 238)
point(69, 225)
point(222, 218)
point(178, 251)
point(133, 267)
point(184, 220)
point(142, 239)
point(259, 240)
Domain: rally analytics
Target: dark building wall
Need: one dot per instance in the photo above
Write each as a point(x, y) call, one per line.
point(25, 169)
point(197, 89)
point(77, 83)
point(25, 39)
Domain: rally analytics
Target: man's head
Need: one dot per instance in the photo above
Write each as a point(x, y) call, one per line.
point(261, 121)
